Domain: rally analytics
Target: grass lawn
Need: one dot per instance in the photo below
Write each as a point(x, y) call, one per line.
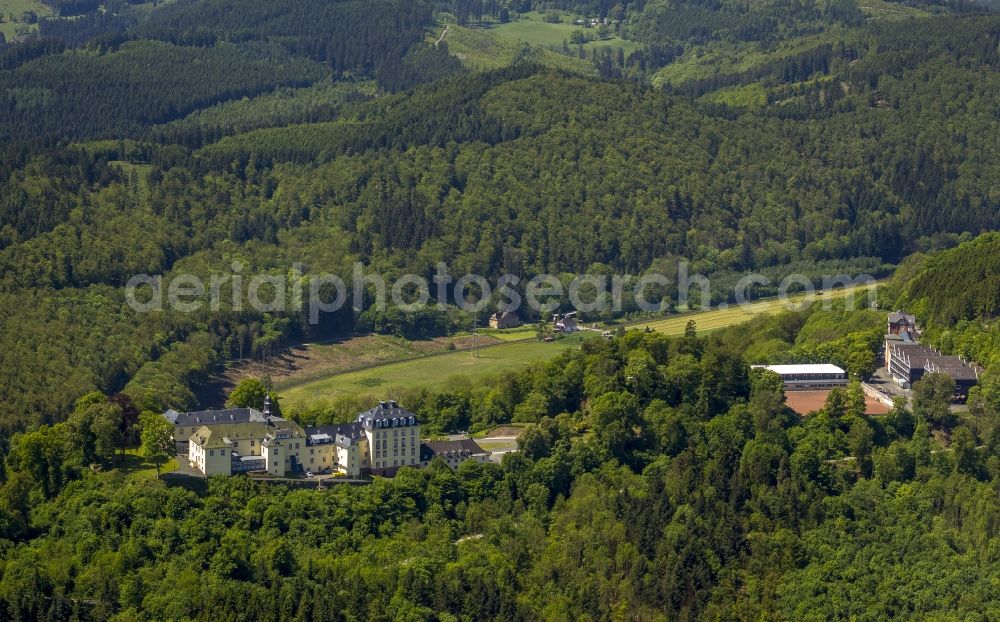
point(313, 361)
point(497, 445)
point(510, 334)
point(721, 318)
point(454, 369)
point(484, 48)
point(432, 372)
point(719, 57)
point(880, 9)
point(750, 96)
point(532, 28)
point(136, 467)
point(17, 8)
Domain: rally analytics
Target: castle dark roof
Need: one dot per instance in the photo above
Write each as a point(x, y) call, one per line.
point(387, 415)
point(896, 316)
point(953, 366)
point(208, 417)
point(464, 448)
point(343, 434)
point(919, 356)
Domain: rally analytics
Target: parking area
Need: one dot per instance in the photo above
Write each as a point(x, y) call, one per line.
point(882, 382)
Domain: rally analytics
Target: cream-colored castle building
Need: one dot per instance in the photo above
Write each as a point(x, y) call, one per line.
point(379, 442)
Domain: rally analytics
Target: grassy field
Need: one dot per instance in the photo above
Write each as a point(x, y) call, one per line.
point(454, 369)
point(750, 96)
point(880, 9)
point(511, 334)
point(723, 317)
point(135, 466)
point(432, 372)
point(492, 45)
point(314, 361)
point(17, 8)
point(484, 48)
point(726, 58)
point(532, 28)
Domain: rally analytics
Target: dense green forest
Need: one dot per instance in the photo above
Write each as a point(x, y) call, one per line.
point(663, 480)
point(520, 170)
point(660, 478)
point(959, 284)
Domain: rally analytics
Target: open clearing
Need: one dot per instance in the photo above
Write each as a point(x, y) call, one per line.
point(315, 361)
point(485, 48)
point(17, 8)
point(532, 28)
point(432, 372)
point(491, 45)
point(460, 367)
point(807, 402)
point(723, 317)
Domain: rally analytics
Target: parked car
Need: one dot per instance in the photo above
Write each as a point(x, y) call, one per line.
point(309, 474)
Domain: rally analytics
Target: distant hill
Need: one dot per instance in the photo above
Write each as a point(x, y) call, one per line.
point(958, 284)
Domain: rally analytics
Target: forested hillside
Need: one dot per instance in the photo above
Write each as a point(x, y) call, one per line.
point(959, 284)
point(663, 478)
point(270, 149)
point(660, 478)
point(955, 294)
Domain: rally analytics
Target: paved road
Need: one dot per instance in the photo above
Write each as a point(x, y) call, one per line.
point(184, 467)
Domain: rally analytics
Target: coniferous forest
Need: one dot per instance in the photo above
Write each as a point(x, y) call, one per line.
point(658, 477)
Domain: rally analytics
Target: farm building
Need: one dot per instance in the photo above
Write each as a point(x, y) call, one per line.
point(505, 319)
point(565, 323)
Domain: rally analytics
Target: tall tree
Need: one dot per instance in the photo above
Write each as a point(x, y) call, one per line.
point(157, 439)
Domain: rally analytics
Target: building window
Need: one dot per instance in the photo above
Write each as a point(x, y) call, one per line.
point(252, 443)
point(211, 452)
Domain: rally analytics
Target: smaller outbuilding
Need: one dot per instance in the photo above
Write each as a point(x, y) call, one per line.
point(453, 452)
point(565, 323)
point(505, 319)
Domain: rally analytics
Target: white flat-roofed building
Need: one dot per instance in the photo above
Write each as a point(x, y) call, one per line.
point(808, 375)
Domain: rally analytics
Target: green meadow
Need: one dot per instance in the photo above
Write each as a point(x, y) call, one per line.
point(454, 369)
point(433, 372)
point(17, 8)
point(532, 28)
